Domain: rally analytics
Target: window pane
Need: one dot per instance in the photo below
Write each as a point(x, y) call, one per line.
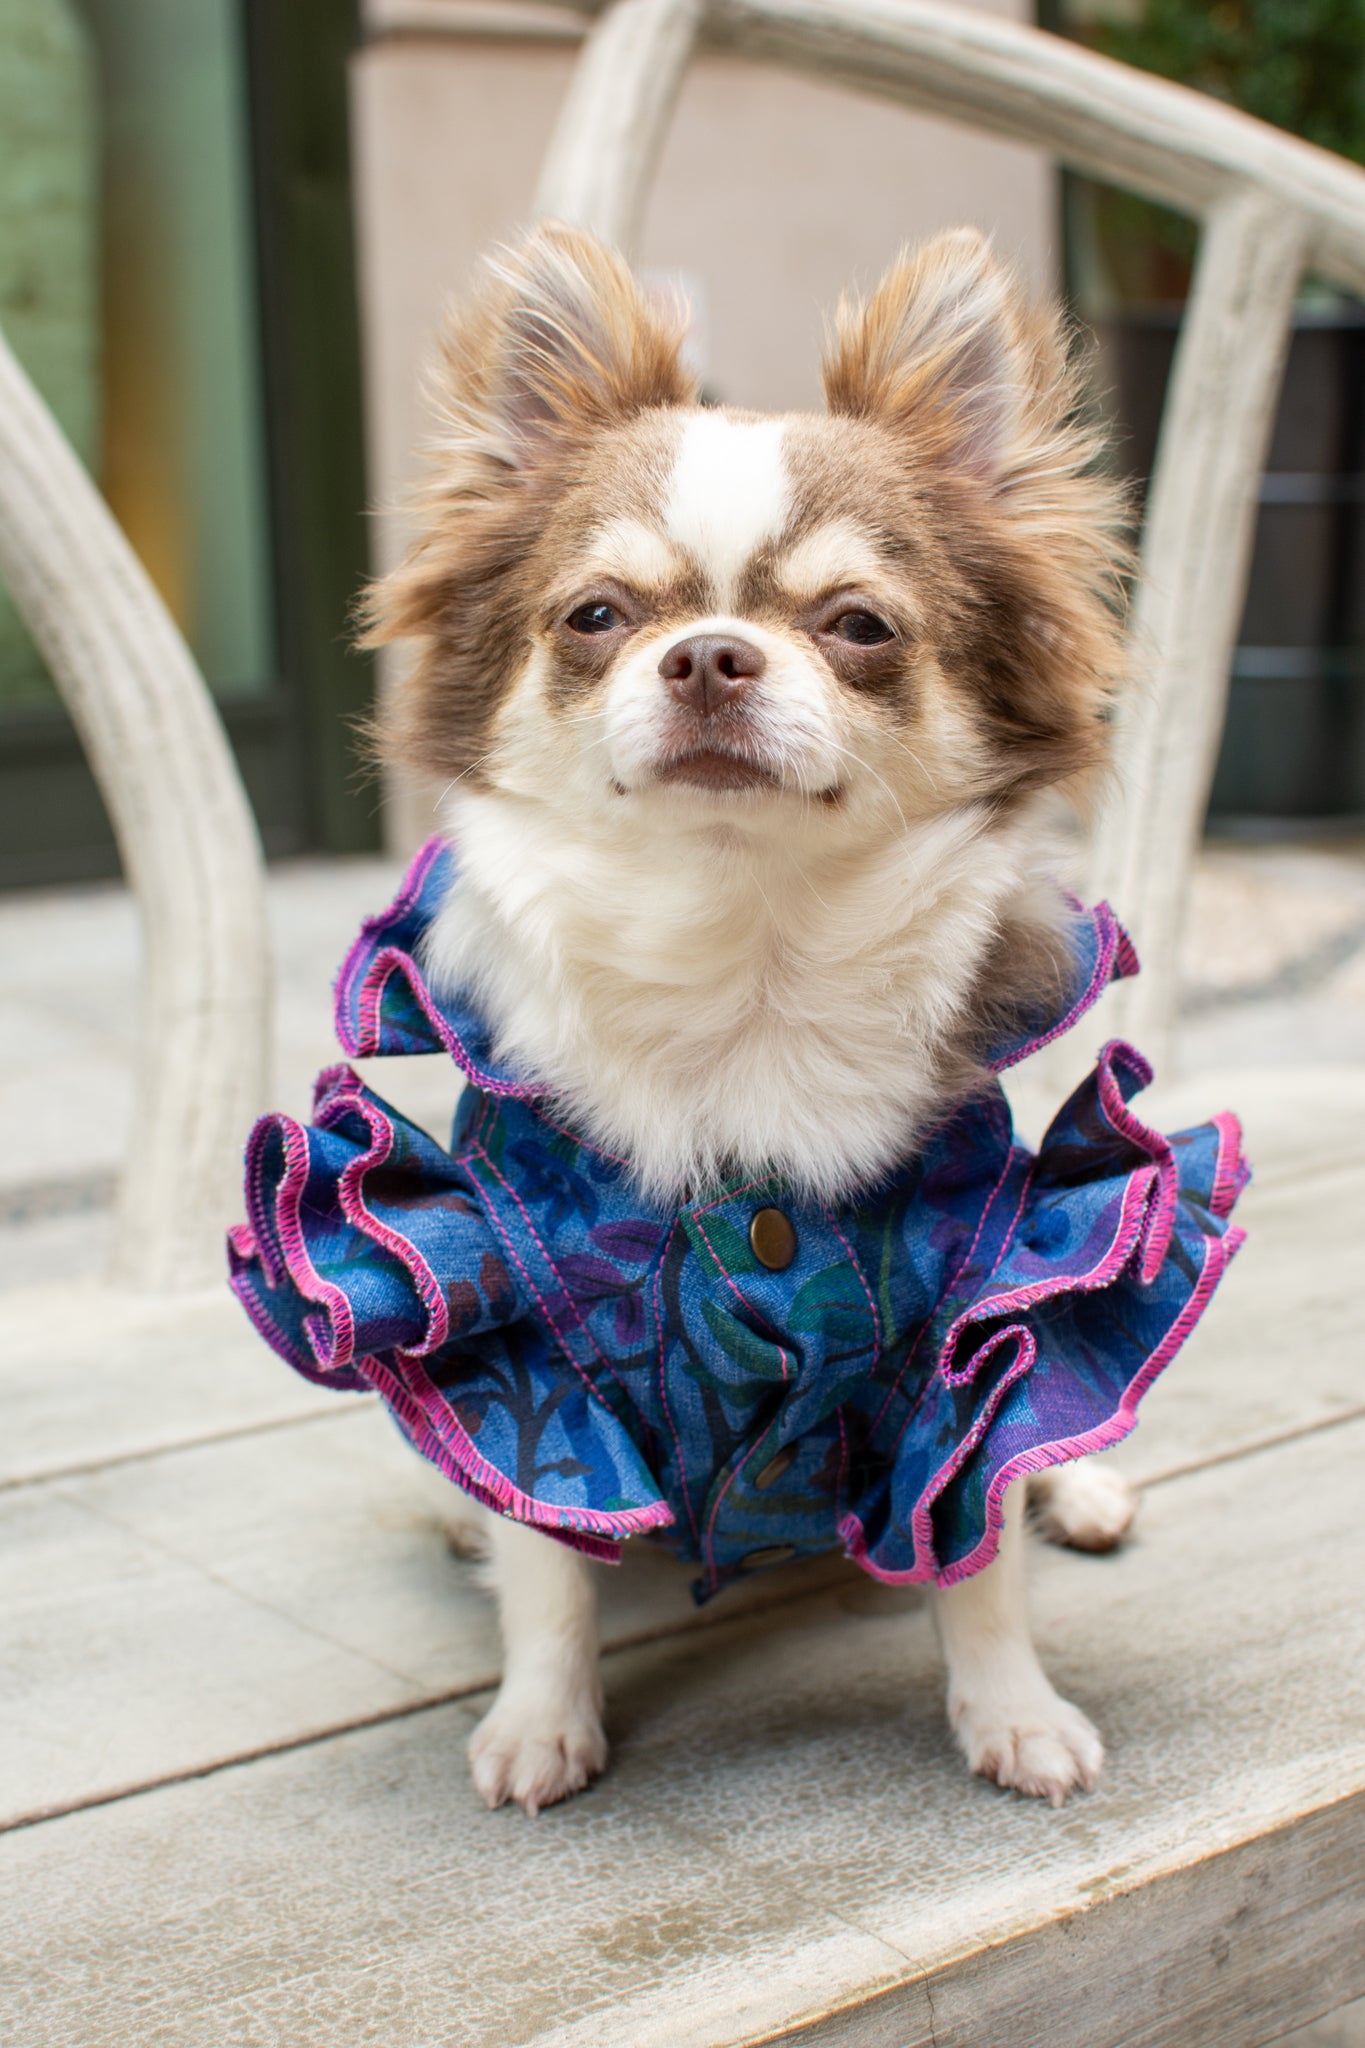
point(138, 319)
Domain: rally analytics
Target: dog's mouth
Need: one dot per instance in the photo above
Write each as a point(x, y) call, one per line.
point(714, 768)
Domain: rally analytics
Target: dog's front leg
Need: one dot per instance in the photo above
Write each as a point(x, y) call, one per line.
point(542, 1737)
point(1010, 1723)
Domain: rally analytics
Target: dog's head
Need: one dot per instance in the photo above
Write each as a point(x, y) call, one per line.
point(626, 602)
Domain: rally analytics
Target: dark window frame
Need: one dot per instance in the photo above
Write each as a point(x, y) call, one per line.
point(297, 741)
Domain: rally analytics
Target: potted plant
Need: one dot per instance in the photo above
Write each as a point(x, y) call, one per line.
point(1295, 738)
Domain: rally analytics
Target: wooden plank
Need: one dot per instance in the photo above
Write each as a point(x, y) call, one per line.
point(1266, 1931)
point(333, 1530)
point(1279, 1350)
point(176, 1612)
point(784, 1830)
point(88, 1377)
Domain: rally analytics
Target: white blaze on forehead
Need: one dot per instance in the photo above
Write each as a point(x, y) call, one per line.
point(729, 492)
point(635, 553)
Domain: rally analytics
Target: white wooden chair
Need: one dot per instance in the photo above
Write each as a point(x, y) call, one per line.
point(782, 1852)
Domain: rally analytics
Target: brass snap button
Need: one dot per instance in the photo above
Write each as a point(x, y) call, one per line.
point(772, 1239)
point(776, 1553)
point(776, 1467)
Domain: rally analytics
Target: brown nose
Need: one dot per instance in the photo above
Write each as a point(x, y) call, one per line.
point(709, 670)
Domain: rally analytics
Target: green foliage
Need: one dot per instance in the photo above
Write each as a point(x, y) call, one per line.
point(1297, 63)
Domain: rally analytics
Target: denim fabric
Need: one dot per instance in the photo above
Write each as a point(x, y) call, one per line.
point(585, 1359)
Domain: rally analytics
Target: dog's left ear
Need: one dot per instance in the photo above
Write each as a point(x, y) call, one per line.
point(949, 349)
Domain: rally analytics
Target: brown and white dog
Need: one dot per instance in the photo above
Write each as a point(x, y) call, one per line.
point(751, 727)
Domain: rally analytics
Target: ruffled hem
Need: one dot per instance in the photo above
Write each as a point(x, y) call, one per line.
point(1022, 1356)
point(352, 1301)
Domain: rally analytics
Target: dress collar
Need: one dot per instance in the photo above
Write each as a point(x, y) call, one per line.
point(384, 1006)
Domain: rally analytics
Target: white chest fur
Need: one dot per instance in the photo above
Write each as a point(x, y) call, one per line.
point(703, 1004)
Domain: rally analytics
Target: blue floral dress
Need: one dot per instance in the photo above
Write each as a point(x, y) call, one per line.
point(748, 1376)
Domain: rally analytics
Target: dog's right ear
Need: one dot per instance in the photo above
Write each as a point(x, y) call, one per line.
point(559, 343)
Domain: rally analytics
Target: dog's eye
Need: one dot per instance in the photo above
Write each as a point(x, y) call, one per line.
point(864, 629)
point(594, 618)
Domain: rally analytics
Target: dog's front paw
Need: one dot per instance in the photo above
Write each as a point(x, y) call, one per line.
point(535, 1749)
point(1039, 1744)
point(1084, 1505)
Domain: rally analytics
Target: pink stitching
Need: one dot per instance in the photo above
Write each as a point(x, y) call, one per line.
point(1231, 1172)
point(862, 1282)
point(539, 1298)
point(409, 891)
point(725, 1275)
point(351, 1195)
point(584, 1144)
point(336, 1347)
point(733, 1194)
point(1014, 1152)
point(730, 1477)
point(450, 1448)
point(1218, 1255)
point(504, 1183)
point(1114, 946)
point(663, 1386)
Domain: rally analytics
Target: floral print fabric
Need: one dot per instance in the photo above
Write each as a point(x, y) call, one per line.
point(584, 1359)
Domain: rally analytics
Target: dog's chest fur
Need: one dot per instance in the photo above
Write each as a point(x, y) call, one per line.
point(696, 1007)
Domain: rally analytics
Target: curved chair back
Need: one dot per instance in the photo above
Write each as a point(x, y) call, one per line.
point(1269, 206)
point(185, 834)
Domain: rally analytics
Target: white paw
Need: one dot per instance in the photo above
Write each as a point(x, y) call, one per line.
point(1084, 1505)
point(536, 1748)
point(1041, 1746)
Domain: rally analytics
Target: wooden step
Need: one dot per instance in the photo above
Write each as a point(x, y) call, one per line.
point(786, 1840)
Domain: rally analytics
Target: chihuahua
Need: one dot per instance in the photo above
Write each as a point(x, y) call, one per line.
point(753, 731)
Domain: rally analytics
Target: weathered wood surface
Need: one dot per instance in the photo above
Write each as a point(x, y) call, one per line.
point(273, 1566)
point(89, 1377)
point(784, 1830)
point(186, 838)
point(1169, 143)
point(177, 1611)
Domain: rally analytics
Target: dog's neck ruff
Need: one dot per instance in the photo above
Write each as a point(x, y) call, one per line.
point(386, 1005)
point(764, 1005)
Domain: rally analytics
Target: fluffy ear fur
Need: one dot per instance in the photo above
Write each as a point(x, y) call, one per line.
point(949, 348)
point(558, 344)
point(978, 385)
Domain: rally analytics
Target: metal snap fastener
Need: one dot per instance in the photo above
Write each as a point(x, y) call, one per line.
point(776, 1467)
point(776, 1553)
point(772, 1239)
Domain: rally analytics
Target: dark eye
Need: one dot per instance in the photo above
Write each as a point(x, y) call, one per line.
point(864, 629)
point(593, 618)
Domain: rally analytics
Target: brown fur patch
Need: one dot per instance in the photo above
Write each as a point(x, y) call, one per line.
point(558, 353)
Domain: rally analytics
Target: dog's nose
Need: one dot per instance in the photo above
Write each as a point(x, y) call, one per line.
point(710, 669)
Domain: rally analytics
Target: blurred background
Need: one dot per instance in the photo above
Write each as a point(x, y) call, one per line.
point(228, 233)
point(228, 229)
